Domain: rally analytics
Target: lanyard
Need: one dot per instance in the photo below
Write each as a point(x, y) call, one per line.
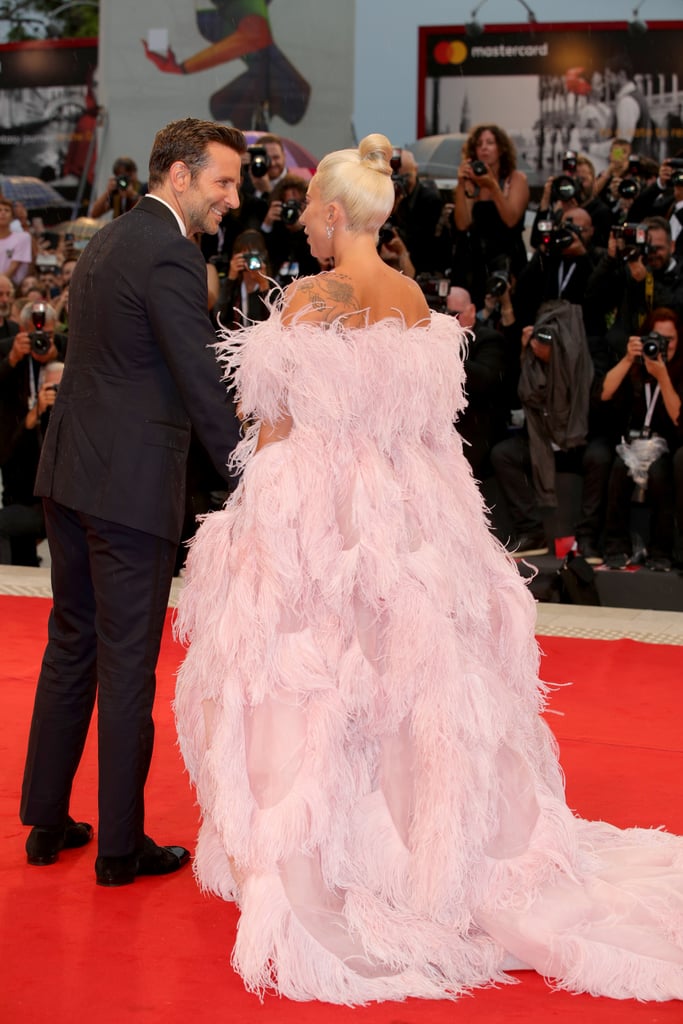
point(564, 279)
point(651, 400)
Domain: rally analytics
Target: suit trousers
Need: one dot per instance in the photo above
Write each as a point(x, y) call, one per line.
point(110, 588)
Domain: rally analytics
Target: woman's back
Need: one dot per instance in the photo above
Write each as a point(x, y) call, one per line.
point(367, 293)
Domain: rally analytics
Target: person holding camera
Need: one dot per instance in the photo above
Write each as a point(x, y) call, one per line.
point(246, 284)
point(560, 268)
point(415, 219)
point(289, 253)
point(27, 393)
point(490, 200)
point(644, 390)
point(637, 273)
point(122, 192)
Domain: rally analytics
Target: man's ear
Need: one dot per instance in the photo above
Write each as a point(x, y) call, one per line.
point(179, 176)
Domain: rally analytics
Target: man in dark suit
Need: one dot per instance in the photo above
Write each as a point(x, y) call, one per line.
point(139, 372)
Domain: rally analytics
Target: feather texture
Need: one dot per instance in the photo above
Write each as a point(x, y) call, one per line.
point(359, 705)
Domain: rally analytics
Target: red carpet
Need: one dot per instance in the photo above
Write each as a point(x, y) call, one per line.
point(158, 951)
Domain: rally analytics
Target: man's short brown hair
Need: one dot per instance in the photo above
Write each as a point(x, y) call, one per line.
point(187, 140)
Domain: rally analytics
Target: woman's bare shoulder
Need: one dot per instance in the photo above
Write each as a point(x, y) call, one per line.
point(321, 298)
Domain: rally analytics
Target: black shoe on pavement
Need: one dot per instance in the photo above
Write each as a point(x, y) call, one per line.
point(589, 552)
point(617, 561)
point(43, 845)
point(152, 860)
point(658, 564)
point(528, 544)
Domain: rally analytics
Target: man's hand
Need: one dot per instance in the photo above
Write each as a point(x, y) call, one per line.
point(46, 398)
point(637, 269)
point(21, 346)
point(274, 213)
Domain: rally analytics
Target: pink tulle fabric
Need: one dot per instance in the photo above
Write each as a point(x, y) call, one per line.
point(359, 705)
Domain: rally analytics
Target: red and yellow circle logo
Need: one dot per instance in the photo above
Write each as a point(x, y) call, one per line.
point(450, 52)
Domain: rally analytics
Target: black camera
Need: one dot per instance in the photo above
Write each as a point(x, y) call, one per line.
point(122, 182)
point(400, 185)
point(564, 188)
point(655, 344)
point(675, 161)
point(259, 161)
point(497, 284)
point(677, 178)
point(478, 168)
point(634, 167)
point(291, 211)
point(544, 335)
point(40, 342)
point(395, 161)
point(545, 230)
point(569, 161)
point(634, 237)
point(435, 289)
point(629, 188)
point(253, 260)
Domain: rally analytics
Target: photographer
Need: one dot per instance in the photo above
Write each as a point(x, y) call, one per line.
point(289, 254)
point(560, 268)
point(416, 216)
point(27, 393)
point(267, 166)
point(394, 251)
point(490, 199)
point(554, 390)
point(644, 390)
point(637, 274)
point(246, 284)
point(122, 192)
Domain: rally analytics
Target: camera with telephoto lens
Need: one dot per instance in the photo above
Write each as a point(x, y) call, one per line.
point(564, 188)
point(253, 260)
point(655, 344)
point(634, 237)
point(291, 211)
point(629, 188)
point(558, 236)
point(435, 289)
point(259, 161)
point(545, 335)
point(498, 280)
point(40, 342)
point(122, 182)
point(478, 168)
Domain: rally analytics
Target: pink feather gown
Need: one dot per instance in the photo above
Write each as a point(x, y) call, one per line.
point(359, 705)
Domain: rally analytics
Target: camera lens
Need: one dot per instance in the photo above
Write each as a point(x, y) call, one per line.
point(628, 188)
point(497, 284)
point(122, 182)
point(40, 342)
point(564, 188)
point(479, 168)
point(291, 208)
point(259, 161)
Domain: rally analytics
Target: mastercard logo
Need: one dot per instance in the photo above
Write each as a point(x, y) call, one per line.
point(454, 52)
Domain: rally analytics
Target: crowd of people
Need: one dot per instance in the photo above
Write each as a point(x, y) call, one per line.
point(593, 390)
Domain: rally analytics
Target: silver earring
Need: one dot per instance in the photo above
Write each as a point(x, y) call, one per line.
point(329, 230)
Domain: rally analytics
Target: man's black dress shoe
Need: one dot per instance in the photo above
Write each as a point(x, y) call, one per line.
point(43, 844)
point(151, 860)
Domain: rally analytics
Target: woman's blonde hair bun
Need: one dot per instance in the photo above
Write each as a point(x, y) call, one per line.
point(375, 152)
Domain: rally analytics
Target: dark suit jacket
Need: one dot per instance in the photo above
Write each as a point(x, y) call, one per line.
point(139, 370)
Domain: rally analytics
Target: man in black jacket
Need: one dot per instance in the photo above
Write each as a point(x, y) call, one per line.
point(139, 372)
